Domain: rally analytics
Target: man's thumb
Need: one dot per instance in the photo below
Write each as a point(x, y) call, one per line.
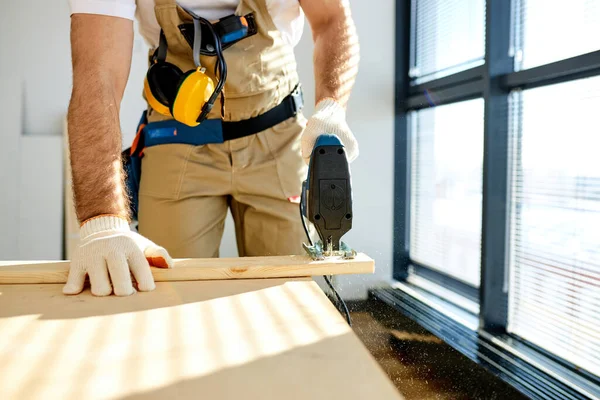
point(158, 257)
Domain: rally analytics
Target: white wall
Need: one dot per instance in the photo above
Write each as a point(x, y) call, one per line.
point(34, 47)
point(35, 85)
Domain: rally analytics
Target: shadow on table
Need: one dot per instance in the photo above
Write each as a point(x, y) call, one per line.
point(266, 339)
point(48, 301)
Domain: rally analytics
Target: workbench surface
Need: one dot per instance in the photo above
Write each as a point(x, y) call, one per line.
point(244, 339)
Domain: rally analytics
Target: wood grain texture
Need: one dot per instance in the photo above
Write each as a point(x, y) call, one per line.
point(194, 269)
point(267, 339)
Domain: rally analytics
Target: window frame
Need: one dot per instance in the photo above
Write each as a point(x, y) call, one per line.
point(492, 81)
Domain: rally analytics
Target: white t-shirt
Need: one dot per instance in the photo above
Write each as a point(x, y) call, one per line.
point(286, 14)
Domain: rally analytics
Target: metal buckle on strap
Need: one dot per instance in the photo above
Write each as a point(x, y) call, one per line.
point(297, 99)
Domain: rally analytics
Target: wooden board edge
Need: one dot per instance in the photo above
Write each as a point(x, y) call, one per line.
point(202, 269)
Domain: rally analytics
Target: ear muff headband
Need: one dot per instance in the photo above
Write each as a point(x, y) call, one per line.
point(220, 66)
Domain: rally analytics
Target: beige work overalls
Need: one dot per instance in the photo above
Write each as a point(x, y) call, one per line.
point(186, 190)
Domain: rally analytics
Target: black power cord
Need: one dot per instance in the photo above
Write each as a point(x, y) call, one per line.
point(340, 303)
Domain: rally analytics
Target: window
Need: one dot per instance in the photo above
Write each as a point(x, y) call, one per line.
point(554, 293)
point(447, 154)
point(552, 30)
point(498, 184)
point(448, 36)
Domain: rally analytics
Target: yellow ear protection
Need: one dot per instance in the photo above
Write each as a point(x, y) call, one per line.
point(187, 97)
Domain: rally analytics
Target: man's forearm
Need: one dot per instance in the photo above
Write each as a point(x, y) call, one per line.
point(101, 53)
point(336, 57)
point(95, 149)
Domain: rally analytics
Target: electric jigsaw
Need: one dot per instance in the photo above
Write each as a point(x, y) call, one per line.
point(326, 199)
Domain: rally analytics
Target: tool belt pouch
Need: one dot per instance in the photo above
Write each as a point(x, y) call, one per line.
point(132, 167)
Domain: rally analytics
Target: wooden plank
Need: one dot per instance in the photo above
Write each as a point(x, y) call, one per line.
point(193, 269)
point(40, 227)
point(10, 135)
point(253, 339)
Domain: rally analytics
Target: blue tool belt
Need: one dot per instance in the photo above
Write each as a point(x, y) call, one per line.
point(209, 131)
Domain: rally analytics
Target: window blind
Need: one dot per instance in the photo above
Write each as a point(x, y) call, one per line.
point(554, 294)
point(446, 188)
point(447, 36)
point(552, 30)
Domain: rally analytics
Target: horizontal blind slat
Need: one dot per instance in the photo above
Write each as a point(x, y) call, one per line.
point(445, 217)
point(439, 26)
point(554, 247)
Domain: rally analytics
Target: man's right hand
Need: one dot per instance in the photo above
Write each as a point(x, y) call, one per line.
point(108, 251)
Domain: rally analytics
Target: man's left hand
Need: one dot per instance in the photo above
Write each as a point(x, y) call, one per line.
point(329, 118)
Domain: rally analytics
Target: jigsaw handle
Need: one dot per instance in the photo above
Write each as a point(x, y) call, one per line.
point(327, 140)
point(327, 191)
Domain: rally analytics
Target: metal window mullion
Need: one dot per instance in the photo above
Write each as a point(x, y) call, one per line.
point(456, 79)
point(402, 159)
point(495, 219)
point(452, 94)
point(578, 67)
point(447, 281)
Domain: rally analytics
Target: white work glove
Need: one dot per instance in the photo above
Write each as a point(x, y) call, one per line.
point(107, 251)
point(329, 118)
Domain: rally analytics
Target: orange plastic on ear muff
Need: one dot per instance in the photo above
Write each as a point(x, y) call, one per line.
point(195, 89)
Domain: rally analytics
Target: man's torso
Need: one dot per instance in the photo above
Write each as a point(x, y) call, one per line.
point(286, 14)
